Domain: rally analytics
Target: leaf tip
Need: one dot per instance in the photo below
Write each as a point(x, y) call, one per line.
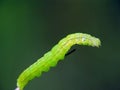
point(17, 88)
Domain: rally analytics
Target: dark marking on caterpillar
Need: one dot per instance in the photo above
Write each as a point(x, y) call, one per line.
point(70, 52)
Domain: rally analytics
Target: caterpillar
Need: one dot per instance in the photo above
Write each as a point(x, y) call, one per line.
point(57, 53)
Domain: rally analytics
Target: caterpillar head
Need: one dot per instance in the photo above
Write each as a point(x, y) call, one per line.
point(90, 40)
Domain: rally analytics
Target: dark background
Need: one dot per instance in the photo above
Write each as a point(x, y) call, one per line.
point(30, 28)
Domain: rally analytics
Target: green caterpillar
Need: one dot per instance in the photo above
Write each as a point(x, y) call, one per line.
point(51, 58)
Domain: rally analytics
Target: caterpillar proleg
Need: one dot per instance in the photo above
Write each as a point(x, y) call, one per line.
point(57, 53)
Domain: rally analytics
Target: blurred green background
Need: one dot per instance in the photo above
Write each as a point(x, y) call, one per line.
point(30, 28)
